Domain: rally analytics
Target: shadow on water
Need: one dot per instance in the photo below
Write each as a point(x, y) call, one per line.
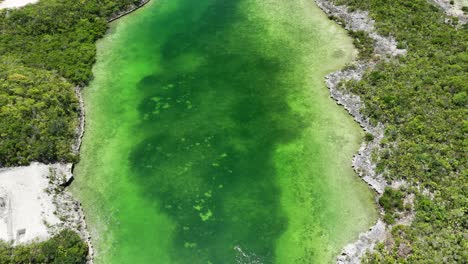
point(209, 137)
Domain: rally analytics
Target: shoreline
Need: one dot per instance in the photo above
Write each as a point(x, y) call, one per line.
point(35, 204)
point(130, 10)
point(80, 131)
point(54, 206)
point(384, 48)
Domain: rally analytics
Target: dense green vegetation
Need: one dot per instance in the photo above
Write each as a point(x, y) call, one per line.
point(421, 98)
point(38, 115)
point(363, 43)
point(58, 35)
point(40, 45)
point(64, 248)
point(392, 202)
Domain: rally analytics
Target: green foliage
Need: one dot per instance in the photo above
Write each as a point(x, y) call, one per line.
point(363, 42)
point(368, 137)
point(391, 200)
point(64, 248)
point(40, 44)
point(58, 34)
point(389, 218)
point(38, 115)
point(421, 99)
point(338, 20)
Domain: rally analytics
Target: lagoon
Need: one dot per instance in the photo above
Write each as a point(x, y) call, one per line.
point(211, 137)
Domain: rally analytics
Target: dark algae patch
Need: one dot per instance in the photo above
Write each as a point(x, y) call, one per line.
point(212, 131)
point(211, 138)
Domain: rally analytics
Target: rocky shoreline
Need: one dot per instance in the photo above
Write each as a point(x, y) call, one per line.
point(131, 9)
point(384, 48)
point(75, 218)
point(79, 132)
point(68, 209)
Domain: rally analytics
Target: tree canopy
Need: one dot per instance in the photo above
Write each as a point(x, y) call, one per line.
point(64, 248)
point(46, 50)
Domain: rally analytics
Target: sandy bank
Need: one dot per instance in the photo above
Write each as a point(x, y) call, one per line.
point(26, 210)
point(16, 3)
point(34, 204)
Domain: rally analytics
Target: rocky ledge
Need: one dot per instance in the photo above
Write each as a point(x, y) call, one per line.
point(129, 10)
point(384, 48)
point(67, 208)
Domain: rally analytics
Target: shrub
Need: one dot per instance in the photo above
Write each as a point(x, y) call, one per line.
point(64, 248)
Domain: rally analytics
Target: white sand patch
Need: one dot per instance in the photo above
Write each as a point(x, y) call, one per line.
point(454, 9)
point(26, 208)
point(16, 3)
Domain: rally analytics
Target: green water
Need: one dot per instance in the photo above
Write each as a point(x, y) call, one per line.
point(211, 137)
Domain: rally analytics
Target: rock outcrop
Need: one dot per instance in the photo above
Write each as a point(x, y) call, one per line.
point(384, 48)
